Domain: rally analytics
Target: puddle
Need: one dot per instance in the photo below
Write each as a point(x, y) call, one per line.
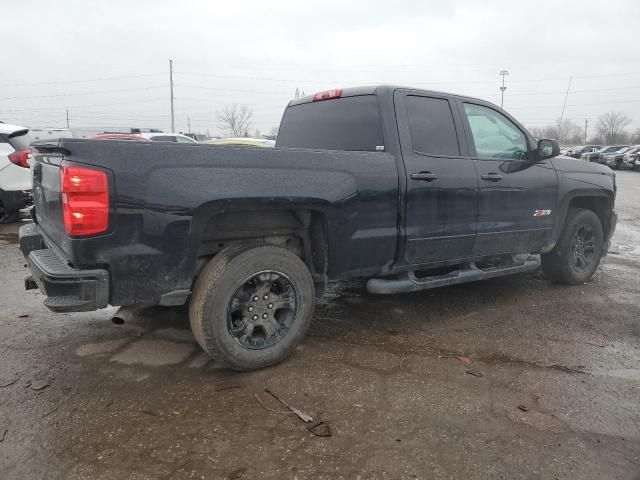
point(154, 353)
point(100, 347)
point(176, 335)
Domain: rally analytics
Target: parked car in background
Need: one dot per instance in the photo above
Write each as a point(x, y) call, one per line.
point(566, 151)
point(614, 160)
point(167, 137)
point(254, 142)
point(630, 157)
point(577, 152)
point(595, 156)
point(615, 149)
point(15, 176)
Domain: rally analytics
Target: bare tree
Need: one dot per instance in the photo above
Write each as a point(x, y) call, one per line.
point(235, 120)
point(611, 126)
point(566, 131)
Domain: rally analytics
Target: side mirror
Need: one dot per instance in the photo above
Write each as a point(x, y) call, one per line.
point(547, 148)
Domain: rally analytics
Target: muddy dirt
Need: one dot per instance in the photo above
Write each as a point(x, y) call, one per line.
point(554, 390)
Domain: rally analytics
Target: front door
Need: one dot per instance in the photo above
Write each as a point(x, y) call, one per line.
point(517, 198)
point(441, 180)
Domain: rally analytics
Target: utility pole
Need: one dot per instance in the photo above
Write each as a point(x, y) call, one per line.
point(586, 124)
point(67, 110)
point(564, 105)
point(173, 124)
point(503, 73)
point(189, 124)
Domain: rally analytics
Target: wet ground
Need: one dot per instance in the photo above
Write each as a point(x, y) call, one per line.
point(509, 378)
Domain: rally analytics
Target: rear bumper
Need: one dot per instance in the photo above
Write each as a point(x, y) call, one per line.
point(67, 289)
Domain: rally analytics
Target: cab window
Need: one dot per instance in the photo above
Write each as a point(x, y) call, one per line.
point(494, 135)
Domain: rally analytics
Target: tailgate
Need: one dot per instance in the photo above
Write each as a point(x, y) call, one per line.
point(47, 196)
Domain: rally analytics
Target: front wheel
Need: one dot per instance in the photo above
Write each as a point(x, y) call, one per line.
point(251, 305)
point(577, 254)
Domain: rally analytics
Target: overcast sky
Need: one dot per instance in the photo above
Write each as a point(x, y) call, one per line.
point(107, 61)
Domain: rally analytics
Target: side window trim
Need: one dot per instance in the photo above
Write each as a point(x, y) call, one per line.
point(458, 123)
point(469, 134)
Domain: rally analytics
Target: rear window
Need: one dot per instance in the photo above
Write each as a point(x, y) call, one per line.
point(21, 141)
point(347, 123)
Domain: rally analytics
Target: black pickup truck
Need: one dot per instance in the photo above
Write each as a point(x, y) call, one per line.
point(406, 188)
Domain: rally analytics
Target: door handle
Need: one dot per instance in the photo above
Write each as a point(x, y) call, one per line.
point(426, 176)
point(492, 177)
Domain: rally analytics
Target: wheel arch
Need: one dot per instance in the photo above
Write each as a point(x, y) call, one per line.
point(301, 229)
point(598, 200)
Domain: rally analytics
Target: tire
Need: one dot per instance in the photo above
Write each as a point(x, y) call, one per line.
point(226, 290)
point(619, 165)
point(8, 217)
point(582, 233)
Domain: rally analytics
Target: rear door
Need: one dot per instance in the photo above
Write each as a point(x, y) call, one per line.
point(517, 198)
point(442, 186)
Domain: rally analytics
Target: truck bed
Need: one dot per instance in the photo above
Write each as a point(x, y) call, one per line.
point(164, 198)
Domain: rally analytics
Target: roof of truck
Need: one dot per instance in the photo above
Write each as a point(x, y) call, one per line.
point(374, 89)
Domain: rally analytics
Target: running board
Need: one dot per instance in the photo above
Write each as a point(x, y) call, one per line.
point(409, 282)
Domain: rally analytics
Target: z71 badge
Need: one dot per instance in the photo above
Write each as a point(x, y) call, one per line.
point(541, 213)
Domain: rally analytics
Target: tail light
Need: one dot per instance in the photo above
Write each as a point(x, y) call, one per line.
point(85, 200)
point(21, 158)
point(329, 94)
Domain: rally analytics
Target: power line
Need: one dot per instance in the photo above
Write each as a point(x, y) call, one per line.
point(440, 82)
point(564, 105)
point(156, 99)
point(173, 125)
point(137, 89)
point(61, 82)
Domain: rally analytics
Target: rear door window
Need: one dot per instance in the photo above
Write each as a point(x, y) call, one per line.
point(346, 123)
point(431, 126)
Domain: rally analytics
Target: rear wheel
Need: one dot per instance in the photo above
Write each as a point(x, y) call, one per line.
point(577, 254)
point(251, 305)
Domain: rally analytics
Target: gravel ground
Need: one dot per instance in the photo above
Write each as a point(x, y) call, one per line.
point(509, 378)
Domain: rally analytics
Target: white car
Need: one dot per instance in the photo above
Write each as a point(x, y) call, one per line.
point(15, 174)
point(167, 137)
